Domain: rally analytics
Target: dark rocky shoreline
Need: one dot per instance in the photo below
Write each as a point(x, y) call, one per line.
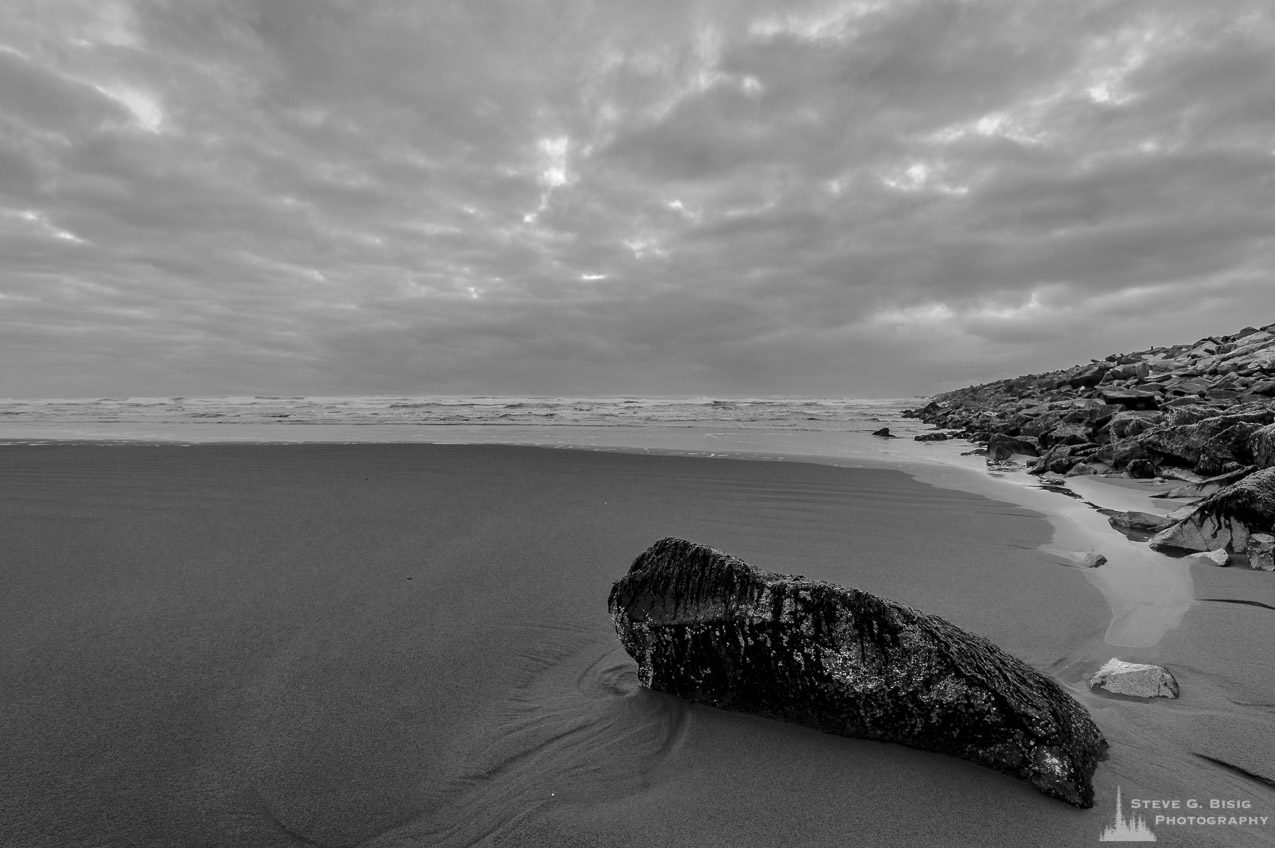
point(1200, 414)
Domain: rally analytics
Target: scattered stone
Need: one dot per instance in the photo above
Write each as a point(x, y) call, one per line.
point(708, 627)
point(931, 437)
point(885, 433)
point(1219, 557)
point(1139, 522)
point(1085, 559)
point(1135, 680)
point(1261, 551)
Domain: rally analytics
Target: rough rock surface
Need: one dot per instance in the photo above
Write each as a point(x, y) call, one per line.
point(1261, 551)
point(1144, 405)
point(1135, 680)
point(1226, 518)
point(1184, 411)
point(1085, 559)
point(1205, 487)
point(708, 627)
point(1001, 447)
point(1219, 557)
point(1138, 522)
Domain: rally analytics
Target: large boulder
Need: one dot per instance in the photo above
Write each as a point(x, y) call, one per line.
point(1129, 423)
point(1226, 518)
point(1131, 398)
point(1001, 447)
point(1176, 416)
point(1261, 446)
point(1092, 412)
point(1186, 385)
point(1141, 469)
point(1210, 446)
point(1135, 521)
point(1207, 486)
point(1038, 425)
point(1131, 371)
point(708, 627)
point(1261, 551)
point(1088, 376)
point(1061, 458)
point(1066, 434)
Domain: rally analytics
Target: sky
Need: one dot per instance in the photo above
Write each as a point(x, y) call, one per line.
point(878, 198)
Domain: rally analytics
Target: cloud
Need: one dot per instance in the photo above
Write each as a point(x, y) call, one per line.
point(842, 198)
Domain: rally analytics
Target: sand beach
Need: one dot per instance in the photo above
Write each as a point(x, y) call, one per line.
point(350, 353)
point(408, 645)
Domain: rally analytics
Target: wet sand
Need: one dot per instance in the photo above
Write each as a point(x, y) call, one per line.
point(408, 645)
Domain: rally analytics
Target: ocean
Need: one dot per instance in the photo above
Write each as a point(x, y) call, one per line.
point(430, 418)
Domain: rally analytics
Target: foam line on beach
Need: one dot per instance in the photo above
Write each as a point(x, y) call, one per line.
point(1148, 592)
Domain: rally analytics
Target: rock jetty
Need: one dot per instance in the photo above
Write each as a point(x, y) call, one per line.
point(708, 627)
point(1200, 413)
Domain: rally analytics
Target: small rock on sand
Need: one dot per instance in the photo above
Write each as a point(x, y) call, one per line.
point(1219, 557)
point(1085, 559)
point(1140, 522)
point(1136, 680)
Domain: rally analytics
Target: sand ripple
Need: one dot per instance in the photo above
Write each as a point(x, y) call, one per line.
point(579, 729)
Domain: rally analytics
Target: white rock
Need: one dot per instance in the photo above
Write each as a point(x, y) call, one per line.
point(1136, 680)
point(1219, 557)
point(1085, 559)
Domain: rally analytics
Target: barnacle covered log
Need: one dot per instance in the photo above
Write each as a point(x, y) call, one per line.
point(708, 627)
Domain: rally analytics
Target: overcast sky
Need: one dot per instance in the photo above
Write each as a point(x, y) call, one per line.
point(872, 198)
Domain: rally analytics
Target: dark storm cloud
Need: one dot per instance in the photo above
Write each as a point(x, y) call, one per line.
point(572, 197)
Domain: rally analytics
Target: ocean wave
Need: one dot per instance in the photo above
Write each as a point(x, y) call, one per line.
point(133, 415)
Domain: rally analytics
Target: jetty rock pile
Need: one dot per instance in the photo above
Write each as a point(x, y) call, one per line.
point(710, 628)
point(1201, 413)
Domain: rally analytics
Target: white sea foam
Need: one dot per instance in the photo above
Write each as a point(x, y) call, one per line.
point(393, 418)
